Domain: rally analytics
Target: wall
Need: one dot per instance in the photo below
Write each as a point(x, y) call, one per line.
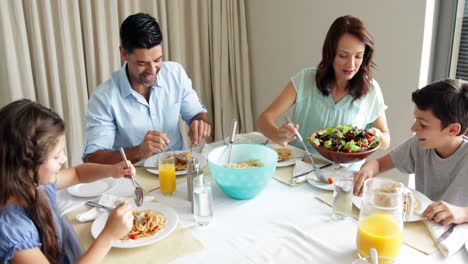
point(285, 36)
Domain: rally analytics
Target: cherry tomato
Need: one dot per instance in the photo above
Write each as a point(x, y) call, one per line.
point(348, 151)
point(330, 180)
point(132, 236)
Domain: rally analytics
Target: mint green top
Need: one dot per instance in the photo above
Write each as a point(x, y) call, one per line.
point(314, 111)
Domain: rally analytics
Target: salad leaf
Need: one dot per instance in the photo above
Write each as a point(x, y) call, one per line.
point(345, 138)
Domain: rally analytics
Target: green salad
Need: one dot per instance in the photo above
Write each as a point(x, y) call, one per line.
point(347, 139)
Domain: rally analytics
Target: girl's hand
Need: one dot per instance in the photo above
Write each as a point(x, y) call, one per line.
point(120, 170)
point(120, 222)
point(445, 214)
point(286, 133)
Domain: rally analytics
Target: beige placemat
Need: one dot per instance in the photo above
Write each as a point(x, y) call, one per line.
point(150, 182)
point(180, 242)
point(415, 234)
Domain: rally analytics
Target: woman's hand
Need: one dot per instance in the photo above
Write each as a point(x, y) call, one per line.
point(444, 213)
point(120, 222)
point(376, 132)
point(286, 133)
point(120, 171)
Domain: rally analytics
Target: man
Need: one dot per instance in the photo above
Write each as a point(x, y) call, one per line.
point(139, 106)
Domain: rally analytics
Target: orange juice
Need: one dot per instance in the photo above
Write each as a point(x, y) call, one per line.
point(381, 232)
point(167, 178)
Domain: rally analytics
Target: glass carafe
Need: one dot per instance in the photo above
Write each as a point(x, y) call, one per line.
point(381, 217)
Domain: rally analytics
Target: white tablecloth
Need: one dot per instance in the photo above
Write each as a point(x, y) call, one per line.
point(283, 224)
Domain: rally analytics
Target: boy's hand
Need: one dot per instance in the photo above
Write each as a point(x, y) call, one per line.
point(359, 178)
point(444, 213)
point(120, 170)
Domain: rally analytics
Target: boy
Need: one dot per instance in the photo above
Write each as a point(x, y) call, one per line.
point(437, 154)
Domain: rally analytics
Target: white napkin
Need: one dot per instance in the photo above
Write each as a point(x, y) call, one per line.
point(302, 167)
point(107, 200)
point(451, 244)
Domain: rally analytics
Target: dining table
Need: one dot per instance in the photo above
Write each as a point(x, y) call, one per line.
point(284, 223)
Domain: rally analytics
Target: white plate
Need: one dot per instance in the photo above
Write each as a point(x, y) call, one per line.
point(466, 245)
point(330, 172)
point(296, 154)
point(93, 188)
point(153, 162)
point(423, 200)
point(171, 223)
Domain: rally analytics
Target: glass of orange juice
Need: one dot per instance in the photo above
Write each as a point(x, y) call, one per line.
point(167, 173)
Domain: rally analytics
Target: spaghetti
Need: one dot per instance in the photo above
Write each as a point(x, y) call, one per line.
point(244, 164)
point(150, 223)
point(284, 154)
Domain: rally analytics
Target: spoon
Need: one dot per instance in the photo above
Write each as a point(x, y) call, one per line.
point(231, 140)
point(317, 170)
point(138, 189)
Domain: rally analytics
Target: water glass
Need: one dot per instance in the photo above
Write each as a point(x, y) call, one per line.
point(167, 173)
point(202, 200)
point(342, 197)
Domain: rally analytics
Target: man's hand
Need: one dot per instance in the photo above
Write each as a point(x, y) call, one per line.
point(153, 142)
point(444, 213)
point(199, 130)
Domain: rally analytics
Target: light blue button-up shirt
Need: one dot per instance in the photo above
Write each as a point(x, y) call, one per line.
point(118, 116)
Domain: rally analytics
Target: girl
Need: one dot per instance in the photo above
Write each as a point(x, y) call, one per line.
point(32, 140)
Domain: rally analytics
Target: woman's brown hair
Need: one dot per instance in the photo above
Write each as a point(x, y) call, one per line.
point(28, 132)
point(359, 84)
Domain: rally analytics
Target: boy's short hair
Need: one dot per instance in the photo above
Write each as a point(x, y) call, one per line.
point(447, 100)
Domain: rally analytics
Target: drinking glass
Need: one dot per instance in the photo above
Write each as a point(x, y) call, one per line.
point(167, 173)
point(202, 200)
point(342, 197)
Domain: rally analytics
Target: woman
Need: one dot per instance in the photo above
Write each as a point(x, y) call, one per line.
point(340, 91)
point(32, 141)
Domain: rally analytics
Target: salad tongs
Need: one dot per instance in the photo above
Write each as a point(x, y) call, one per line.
point(317, 170)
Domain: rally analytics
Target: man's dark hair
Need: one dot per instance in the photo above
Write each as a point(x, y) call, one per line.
point(448, 101)
point(140, 31)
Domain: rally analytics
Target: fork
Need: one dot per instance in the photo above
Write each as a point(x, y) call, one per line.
point(317, 170)
point(138, 189)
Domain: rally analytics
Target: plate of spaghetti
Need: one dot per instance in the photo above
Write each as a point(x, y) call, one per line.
point(181, 168)
point(156, 222)
point(287, 155)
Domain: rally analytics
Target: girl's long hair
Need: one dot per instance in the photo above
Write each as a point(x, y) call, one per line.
point(359, 84)
point(28, 132)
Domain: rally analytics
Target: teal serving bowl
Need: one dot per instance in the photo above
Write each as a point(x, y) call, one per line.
point(242, 184)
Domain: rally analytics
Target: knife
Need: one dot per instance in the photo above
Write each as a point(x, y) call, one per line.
point(446, 234)
point(302, 178)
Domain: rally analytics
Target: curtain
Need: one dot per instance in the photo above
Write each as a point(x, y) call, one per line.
point(57, 52)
